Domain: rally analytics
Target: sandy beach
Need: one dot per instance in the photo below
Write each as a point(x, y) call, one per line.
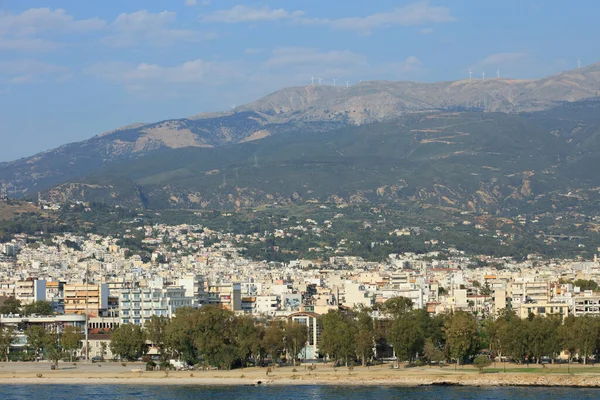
point(132, 373)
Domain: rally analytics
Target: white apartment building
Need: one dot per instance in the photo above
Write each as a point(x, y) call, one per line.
point(136, 306)
point(194, 288)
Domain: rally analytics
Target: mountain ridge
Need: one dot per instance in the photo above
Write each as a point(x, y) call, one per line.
point(301, 109)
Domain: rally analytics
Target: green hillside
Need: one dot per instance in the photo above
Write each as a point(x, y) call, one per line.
point(466, 160)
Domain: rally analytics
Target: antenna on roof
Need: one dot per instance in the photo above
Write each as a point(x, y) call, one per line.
point(483, 75)
point(334, 80)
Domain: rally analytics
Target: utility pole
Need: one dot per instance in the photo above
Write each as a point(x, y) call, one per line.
point(87, 349)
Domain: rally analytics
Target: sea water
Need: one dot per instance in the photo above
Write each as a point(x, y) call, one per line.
point(151, 392)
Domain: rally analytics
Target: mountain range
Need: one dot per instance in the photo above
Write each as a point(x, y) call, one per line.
point(472, 144)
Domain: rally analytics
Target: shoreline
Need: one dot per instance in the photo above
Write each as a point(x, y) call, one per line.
point(39, 374)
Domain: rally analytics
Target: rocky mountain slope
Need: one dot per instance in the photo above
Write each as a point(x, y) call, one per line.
point(301, 110)
point(472, 161)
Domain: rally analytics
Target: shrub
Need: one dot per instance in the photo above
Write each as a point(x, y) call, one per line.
point(481, 362)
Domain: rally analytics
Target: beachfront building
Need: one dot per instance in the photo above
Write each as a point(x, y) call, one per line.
point(311, 321)
point(138, 305)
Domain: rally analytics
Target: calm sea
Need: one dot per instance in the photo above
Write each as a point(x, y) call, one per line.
point(29, 392)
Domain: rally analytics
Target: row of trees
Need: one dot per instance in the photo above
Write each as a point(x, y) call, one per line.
point(221, 339)
point(13, 306)
point(42, 342)
point(213, 335)
point(534, 338)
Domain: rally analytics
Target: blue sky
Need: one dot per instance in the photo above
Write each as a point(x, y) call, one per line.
point(73, 69)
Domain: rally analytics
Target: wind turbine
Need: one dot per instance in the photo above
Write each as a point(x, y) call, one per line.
point(578, 63)
point(498, 72)
point(334, 79)
point(483, 75)
point(470, 74)
point(319, 81)
point(312, 80)
point(347, 83)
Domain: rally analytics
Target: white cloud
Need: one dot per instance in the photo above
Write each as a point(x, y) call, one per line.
point(238, 81)
point(161, 80)
point(419, 13)
point(153, 28)
point(29, 71)
point(20, 31)
point(241, 13)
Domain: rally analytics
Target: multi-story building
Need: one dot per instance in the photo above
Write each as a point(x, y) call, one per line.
point(194, 288)
point(311, 320)
point(138, 305)
point(30, 290)
point(227, 295)
point(586, 304)
point(79, 298)
point(544, 308)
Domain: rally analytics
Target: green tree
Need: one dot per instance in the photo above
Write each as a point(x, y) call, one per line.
point(215, 336)
point(273, 341)
point(127, 341)
point(461, 335)
point(397, 306)
point(70, 340)
point(432, 353)
point(7, 339)
point(155, 330)
point(407, 337)
point(54, 351)
point(247, 335)
point(295, 338)
point(586, 334)
point(585, 284)
point(36, 338)
point(180, 334)
point(365, 336)
point(10, 306)
point(567, 336)
point(38, 308)
point(338, 331)
point(480, 362)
